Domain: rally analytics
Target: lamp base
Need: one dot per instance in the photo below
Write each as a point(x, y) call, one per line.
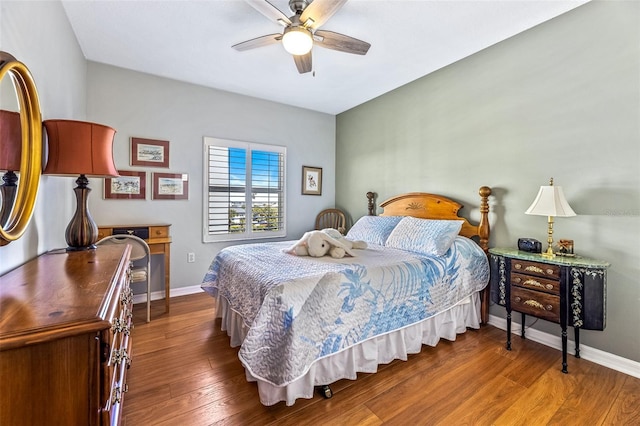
point(549, 254)
point(91, 247)
point(8, 191)
point(82, 231)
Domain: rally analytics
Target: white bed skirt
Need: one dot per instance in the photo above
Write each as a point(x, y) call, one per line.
point(363, 357)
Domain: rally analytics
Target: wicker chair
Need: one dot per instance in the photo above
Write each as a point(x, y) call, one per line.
point(332, 218)
point(140, 260)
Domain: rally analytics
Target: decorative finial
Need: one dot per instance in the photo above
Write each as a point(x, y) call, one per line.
point(551, 182)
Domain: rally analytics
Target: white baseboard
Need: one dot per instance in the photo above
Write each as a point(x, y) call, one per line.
point(615, 362)
point(175, 292)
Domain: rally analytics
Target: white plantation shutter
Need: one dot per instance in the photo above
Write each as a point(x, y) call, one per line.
point(244, 190)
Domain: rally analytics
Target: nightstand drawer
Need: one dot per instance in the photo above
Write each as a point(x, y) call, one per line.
point(536, 303)
point(535, 283)
point(535, 268)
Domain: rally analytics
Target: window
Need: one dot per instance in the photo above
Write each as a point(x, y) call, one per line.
point(243, 190)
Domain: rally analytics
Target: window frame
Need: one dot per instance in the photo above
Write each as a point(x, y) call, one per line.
point(249, 233)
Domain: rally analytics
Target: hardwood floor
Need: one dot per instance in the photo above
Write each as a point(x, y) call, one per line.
point(184, 373)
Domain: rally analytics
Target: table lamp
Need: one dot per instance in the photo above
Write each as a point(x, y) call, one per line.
point(550, 202)
point(10, 157)
point(84, 149)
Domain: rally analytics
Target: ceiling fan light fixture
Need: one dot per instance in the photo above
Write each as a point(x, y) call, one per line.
point(297, 40)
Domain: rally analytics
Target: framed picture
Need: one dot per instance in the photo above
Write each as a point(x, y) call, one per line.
point(170, 186)
point(149, 152)
point(565, 248)
point(311, 180)
point(128, 186)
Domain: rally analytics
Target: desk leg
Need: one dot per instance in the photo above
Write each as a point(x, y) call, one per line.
point(564, 350)
point(508, 329)
point(577, 337)
point(167, 276)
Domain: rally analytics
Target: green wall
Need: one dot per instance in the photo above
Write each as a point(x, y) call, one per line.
point(561, 100)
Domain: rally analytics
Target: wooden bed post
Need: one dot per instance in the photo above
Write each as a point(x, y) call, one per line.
point(370, 204)
point(483, 227)
point(483, 233)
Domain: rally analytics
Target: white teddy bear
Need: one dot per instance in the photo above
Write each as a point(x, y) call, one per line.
point(328, 240)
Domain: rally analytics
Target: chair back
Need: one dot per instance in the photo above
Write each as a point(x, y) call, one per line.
point(139, 247)
point(332, 218)
point(140, 261)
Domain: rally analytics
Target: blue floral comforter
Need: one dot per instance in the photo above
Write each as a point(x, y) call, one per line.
point(300, 309)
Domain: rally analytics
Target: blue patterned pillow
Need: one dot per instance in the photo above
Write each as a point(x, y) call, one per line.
point(373, 229)
point(427, 236)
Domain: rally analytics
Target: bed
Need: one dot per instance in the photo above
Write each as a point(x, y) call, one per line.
point(303, 323)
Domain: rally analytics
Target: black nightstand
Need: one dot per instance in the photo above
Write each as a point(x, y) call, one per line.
point(570, 291)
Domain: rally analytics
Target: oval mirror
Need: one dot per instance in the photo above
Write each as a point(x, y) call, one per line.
point(20, 137)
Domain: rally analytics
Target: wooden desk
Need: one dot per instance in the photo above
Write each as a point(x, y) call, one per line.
point(157, 237)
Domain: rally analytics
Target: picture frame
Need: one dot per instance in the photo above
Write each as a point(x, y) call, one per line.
point(170, 186)
point(130, 185)
point(565, 248)
point(149, 152)
point(311, 180)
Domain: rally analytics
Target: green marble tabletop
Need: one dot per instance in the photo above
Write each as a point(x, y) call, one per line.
point(558, 260)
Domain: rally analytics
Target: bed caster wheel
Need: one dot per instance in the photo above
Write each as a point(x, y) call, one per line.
point(325, 391)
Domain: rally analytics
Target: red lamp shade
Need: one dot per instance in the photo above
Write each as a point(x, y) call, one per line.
point(79, 148)
point(10, 140)
point(84, 149)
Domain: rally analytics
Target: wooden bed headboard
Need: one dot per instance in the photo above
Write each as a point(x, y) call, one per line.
point(432, 206)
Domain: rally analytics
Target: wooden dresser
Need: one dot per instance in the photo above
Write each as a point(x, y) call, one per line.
point(570, 291)
point(64, 338)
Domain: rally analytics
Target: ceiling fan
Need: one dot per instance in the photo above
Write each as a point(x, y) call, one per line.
point(301, 30)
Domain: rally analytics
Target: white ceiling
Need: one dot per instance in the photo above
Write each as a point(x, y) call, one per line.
point(190, 40)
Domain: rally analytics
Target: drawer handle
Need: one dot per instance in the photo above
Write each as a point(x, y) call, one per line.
point(532, 268)
point(120, 356)
point(534, 283)
point(116, 397)
point(538, 305)
point(517, 280)
point(116, 325)
point(158, 232)
point(126, 297)
point(549, 271)
point(120, 326)
point(549, 287)
point(518, 266)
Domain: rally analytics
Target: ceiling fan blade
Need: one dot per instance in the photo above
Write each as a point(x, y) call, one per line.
point(258, 42)
point(303, 62)
point(320, 10)
point(270, 11)
point(341, 42)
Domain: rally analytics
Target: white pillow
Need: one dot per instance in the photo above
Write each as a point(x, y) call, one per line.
point(426, 236)
point(373, 229)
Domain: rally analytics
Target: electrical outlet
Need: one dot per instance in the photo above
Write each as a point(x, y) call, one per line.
point(191, 257)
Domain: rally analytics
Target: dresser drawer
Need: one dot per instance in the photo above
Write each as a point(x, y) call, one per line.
point(535, 268)
point(536, 303)
point(535, 283)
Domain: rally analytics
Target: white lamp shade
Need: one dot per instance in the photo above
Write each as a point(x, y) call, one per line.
point(551, 202)
point(297, 41)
